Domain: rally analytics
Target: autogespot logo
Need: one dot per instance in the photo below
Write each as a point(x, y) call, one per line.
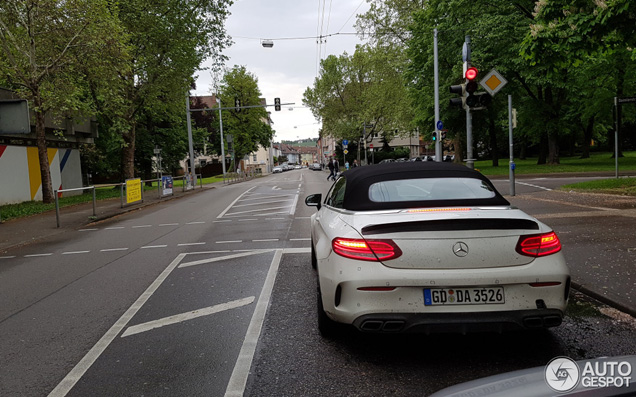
point(562, 374)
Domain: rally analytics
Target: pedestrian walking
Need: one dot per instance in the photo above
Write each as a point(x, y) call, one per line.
point(333, 169)
point(355, 164)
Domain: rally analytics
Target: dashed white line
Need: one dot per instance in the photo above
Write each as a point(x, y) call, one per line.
point(229, 241)
point(87, 230)
point(220, 221)
point(113, 249)
point(245, 220)
point(154, 246)
point(265, 240)
point(7, 257)
point(273, 219)
point(37, 255)
point(75, 252)
point(169, 224)
point(140, 226)
point(188, 244)
point(299, 239)
point(195, 223)
point(114, 228)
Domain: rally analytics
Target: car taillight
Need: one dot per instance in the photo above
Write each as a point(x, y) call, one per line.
point(366, 250)
point(539, 244)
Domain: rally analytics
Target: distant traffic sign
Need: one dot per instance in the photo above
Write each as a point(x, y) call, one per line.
point(345, 142)
point(493, 82)
point(346, 151)
point(440, 125)
point(627, 100)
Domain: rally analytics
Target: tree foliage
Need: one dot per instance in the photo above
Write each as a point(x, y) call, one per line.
point(45, 46)
point(366, 87)
point(248, 127)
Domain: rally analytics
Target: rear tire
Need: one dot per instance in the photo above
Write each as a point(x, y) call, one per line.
point(314, 261)
point(327, 327)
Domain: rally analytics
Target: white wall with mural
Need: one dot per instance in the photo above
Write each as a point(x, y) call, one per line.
point(20, 179)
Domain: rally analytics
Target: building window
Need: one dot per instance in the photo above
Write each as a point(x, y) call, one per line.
point(254, 157)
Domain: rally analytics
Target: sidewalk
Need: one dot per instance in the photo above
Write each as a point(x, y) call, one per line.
point(23, 231)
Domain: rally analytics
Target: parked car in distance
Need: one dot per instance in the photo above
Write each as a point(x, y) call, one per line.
point(316, 167)
point(432, 247)
point(387, 161)
point(277, 169)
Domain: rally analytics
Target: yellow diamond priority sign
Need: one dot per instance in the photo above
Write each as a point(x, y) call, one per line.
point(493, 82)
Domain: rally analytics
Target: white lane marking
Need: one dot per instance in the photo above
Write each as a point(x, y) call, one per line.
point(169, 224)
point(264, 209)
point(246, 220)
point(264, 240)
point(276, 188)
point(7, 257)
point(305, 250)
point(234, 202)
point(80, 369)
point(223, 258)
point(179, 318)
point(87, 230)
point(229, 241)
point(154, 246)
point(114, 228)
point(221, 221)
point(531, 185)
point(188, 244)
point(302, 217)
point(75, 252)
point(273, 219)
point(140, 226)
point(299, 239)
point(293, 207)
point(37, 255)
point(260, 203)
point(250, 198)
point(238, 380)
point(195, 223)
point(113, 249)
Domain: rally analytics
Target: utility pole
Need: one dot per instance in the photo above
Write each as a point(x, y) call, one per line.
point(222, 141)
point(190, 144)
point(470, 161)
point(438, 142)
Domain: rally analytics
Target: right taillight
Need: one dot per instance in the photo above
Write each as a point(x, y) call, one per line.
point(539, 244)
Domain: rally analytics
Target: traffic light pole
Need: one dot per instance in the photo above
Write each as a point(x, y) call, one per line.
point(470, 161)
point(438, 142)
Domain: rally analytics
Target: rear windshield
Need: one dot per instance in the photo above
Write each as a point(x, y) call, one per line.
point(428, 189)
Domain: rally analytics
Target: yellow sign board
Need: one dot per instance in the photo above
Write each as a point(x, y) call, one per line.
point(133, 190)
point(346, 151)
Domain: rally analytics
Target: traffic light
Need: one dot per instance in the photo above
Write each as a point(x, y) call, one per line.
point(459, 89)
point(442, 135)
point(473, 100)
point(434, 136)
point(277, 104)
point(237, 104)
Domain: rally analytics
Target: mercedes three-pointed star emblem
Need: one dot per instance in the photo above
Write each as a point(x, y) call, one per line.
point(460, 249)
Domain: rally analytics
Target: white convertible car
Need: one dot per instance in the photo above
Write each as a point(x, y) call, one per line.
point(432, 247)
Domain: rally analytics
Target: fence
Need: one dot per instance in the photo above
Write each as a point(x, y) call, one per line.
point(234, 177)
point(122, 186)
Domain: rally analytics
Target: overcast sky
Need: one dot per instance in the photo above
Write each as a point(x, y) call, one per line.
point(286, 70)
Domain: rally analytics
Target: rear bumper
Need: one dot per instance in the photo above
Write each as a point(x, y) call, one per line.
point(459, 322)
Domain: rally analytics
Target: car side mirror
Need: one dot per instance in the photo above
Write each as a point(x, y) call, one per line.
point(313, 200)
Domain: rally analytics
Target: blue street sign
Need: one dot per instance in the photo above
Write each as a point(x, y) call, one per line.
point(440, 125)
point(345, 142)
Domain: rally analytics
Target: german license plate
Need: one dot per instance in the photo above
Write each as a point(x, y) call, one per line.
point(463, 296)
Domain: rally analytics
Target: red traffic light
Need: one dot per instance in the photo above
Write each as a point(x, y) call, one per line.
point(471, 73)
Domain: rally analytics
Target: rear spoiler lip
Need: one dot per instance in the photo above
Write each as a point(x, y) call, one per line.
point(445, 225)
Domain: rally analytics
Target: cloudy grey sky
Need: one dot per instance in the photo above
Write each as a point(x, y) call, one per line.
point(287, 69)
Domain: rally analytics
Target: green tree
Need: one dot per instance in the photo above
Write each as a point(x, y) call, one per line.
point(167, 40)
point(46, 44)
point(249, 127)
point(367, 87)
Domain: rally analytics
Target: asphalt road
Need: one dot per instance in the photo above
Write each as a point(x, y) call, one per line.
point(213, 294)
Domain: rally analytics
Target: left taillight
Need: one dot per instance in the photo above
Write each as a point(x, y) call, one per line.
point(539, 244)
point(366, 250)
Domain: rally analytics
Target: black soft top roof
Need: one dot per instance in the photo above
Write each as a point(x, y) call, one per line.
point(359, 180)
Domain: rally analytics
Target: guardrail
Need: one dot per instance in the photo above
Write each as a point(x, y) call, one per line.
point(234, 177)
point(57, 201)
point(122, 192)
